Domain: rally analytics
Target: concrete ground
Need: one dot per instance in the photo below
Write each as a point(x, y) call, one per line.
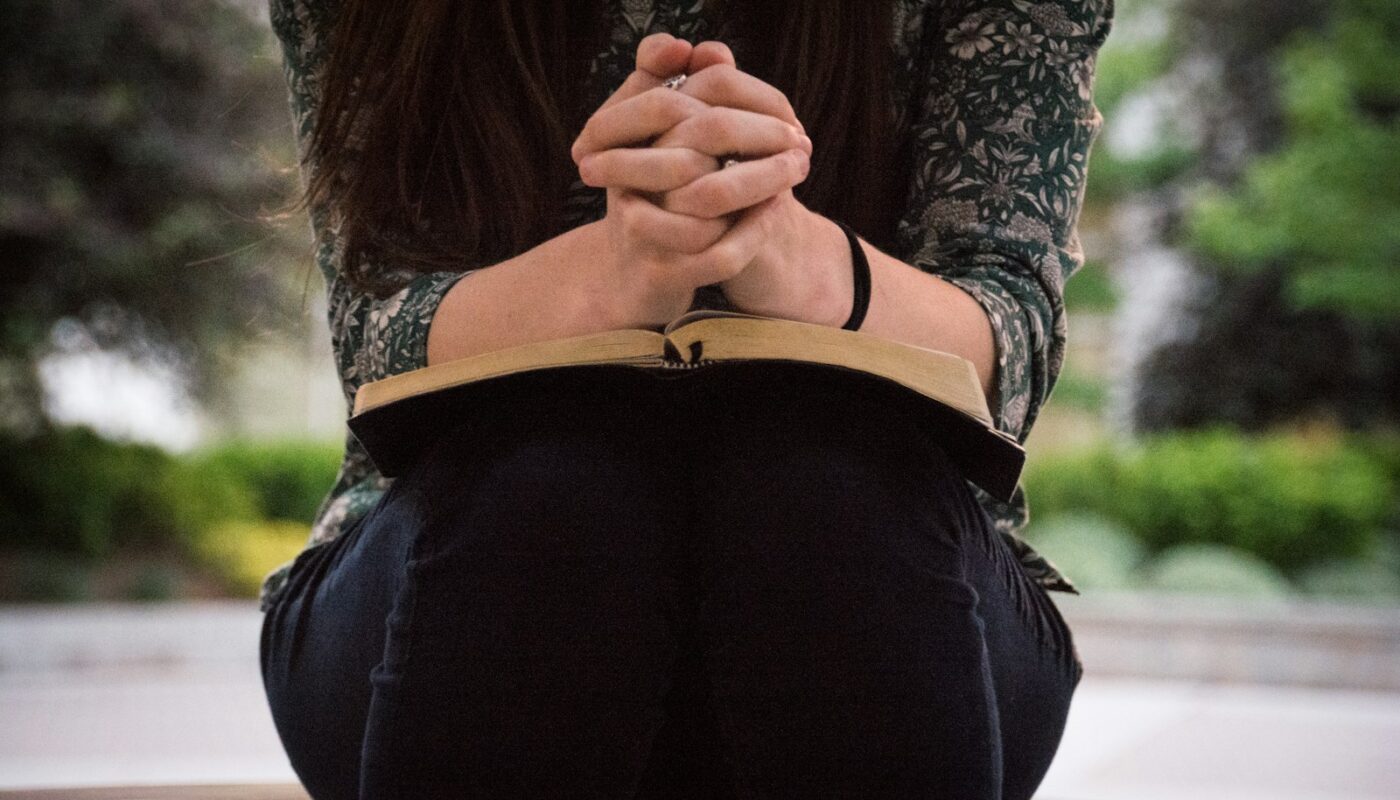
point(123, 696)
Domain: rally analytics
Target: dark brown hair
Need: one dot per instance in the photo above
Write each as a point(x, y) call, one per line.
point(443, 132)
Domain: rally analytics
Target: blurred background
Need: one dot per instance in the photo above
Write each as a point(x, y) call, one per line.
point(1217, 468)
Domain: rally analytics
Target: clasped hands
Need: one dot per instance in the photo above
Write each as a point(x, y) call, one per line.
point(677, 220)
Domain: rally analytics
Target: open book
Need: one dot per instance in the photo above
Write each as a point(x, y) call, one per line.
point(943, 388)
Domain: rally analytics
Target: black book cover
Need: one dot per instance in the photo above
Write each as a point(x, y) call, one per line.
point(397, 434)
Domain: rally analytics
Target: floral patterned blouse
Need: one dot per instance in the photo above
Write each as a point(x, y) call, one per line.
point(997, 97)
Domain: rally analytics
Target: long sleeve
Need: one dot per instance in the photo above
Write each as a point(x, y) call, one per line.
point(1002, 121)
point(373, 337)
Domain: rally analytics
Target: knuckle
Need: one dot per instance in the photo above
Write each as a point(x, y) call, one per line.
point(650, 102)
point(721, 77)
point(630, 87)
point(668, 103)
point(588, 169)
point(723, 257)
point(579, 148)
point(798, 164)
point(786, 133)
point(726, 74)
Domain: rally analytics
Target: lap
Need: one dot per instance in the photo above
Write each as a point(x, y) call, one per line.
point(882, 582)
point(808, 535)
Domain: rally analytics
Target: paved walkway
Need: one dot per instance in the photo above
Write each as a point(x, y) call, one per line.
point(178, 699)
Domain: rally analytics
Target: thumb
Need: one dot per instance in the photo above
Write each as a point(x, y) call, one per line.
point(708, 54)
point(662, 54)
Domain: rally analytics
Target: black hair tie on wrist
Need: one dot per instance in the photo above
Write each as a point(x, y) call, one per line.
point(861, 265)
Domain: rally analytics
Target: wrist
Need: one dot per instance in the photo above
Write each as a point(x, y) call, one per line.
point(830, 264)
point(803, 273)
point(607, 299)
point(596, 307)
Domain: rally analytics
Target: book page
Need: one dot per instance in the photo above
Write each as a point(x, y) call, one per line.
point(945, 377)
point(606, 347)
point(709, 313)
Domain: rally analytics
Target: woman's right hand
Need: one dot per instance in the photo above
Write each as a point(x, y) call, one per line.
point(651, 260)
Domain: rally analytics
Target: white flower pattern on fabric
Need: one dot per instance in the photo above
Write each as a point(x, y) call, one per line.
point(971, 37)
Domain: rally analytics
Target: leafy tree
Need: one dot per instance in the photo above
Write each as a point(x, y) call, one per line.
point(1325, 206)
point(134, 166)
point(1280, 173)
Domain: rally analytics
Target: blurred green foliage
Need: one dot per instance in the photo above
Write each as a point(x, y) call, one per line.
point(153, 583)
point(71, 491)
point(139, 146)
point(50, 578)
point(1097, 553)
point(242, 552)
point(1091, 289)
point(1113, 177)
point(1290, 499)
point(287, 479)
point(1364, 579)
point(1128, 66)
point(1076, 389)
point(1211, 568)
point(1327, 203)
point(1261, 140)
point(1253, 362)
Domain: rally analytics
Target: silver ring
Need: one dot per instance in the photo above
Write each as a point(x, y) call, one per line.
point(675, 81)
point(728, 162)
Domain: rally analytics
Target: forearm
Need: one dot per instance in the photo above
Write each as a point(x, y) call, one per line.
point(524, 299)
point(907, 304)
point(910, 305)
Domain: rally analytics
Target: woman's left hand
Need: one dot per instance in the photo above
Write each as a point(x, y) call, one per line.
point(787, 278)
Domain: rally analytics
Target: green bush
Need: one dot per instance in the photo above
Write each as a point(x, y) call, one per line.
point(68, 496)
point(1384, 449)
point(288, 479)
point(69, 490)
point(49, 578)
point(1352, 578)
point(1289, 499)
point(1077, 390)
point(1206, 568)
point(153, 583)
point(1091, 289)
point(1096, 553)
point(1374, 579)
point(242, 553)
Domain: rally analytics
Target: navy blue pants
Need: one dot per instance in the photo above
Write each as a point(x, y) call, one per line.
point(672, 589)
